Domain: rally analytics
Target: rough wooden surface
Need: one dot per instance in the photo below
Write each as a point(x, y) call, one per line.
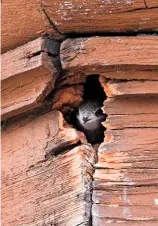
point(129, 88)
point(36, 190)
point(28, 75)
point(151, 3)
point(58, 17)
point(113, 54)
point(68, 96)
point(21, 22)
point(125, 179)
point(131, 105)
point(101, 16)
point(131, 120)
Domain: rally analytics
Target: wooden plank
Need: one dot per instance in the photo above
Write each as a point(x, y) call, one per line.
point(129, 148)
point(89, 17)
point(125, 179)
point(128, 74)
point(131, 121)
point(135, 111)
point(38, 190)
point(18, 24)
point(57, 17)
point(135, 212)
point(115, 222)
point(28, 76)
point(113, 53)
point(129, 88)
point(131, 105)
point(136, 196)
point(151, 3)
point(44, 134)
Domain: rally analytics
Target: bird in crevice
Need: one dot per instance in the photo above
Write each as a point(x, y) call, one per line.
point(89, 116)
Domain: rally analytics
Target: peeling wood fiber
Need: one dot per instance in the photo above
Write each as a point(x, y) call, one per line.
point(25, 21)
point(37, 190)
point(28, 76)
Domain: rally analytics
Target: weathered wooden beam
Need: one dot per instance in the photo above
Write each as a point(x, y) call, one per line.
point(131, 74)
point(39, 190)
point(102, 16)
point(28, 75)
point(131, 105)
point(113, 54)
point(117, 222)
point(131, 112)
point(129, 148)
point(21, 22)
point(131, 121)
point(125, 180)
point(151, 3)
point(57, 17)
point(117, 88)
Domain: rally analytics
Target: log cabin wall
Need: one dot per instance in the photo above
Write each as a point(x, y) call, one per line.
point(51, 175)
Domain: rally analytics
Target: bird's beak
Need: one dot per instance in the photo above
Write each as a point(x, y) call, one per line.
point(85, 120)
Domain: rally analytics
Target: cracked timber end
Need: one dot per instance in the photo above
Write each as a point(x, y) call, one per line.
point(29, 73)
point(63, 182)
point(51, 175)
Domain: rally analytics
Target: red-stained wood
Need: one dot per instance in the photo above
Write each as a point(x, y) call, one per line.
point(119, 212)
point(129, 88)
point(117, 222)
point(131, 105)
point(131, 74)
point(28, 76)
point(39, 190)
point(125, 179)
point(151, 3)
point(113, 54)
point(127, 148)
point(130, 121)
point(18, 24)
point(64, 17)
point(101, 16)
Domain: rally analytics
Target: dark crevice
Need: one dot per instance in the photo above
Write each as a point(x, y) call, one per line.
point(61, 149)
point(126, 33)
point(145, 4)
point(50, 21)
point(93, 92)
point(102, 33)
point(29, 56)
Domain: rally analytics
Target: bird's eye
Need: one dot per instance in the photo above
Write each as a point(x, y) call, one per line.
point(99, 112)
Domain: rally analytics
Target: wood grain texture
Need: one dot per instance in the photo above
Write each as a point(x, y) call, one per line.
point(36, 190)
point(101, 16)
point(151, 3)
point(28, 76)
point(117, 222)
point(131, 105)
point(19, 27)
point(21, 22)
point(129, 88)
point(130, 121)
point(113, 54)
point(131, 74)
point(133, 147)
point(125, 180)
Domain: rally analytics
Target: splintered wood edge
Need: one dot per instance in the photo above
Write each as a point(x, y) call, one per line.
point(29, 75)
point(89, 17)
point(117, 57)
point(129, 88)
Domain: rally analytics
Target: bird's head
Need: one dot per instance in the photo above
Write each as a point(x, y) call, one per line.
point(90, 115)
